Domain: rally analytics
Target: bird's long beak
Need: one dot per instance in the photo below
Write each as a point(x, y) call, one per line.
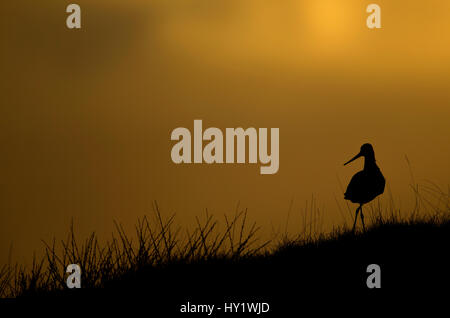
point(355, 157)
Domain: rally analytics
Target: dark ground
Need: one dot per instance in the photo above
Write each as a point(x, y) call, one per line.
point(325, 277)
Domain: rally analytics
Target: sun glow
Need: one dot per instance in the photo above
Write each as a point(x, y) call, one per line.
point(331, 25)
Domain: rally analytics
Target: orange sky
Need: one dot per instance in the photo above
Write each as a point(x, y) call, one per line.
point(86, 115)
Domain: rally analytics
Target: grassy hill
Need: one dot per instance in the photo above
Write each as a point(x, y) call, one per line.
point(165, 272)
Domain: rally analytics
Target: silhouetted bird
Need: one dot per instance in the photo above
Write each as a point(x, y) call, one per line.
point(367, 184)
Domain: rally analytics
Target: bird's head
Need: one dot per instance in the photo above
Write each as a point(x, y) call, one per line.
point(366, 151)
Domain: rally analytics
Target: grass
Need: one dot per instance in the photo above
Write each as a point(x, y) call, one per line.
point(156, 244)
point(162, 259)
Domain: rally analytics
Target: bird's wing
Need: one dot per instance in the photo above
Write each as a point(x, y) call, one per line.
point(355, 186)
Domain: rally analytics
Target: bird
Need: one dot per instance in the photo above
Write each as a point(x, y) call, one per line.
point(366, 184)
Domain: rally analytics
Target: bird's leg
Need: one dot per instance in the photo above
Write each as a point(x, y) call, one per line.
point(362, 218)
point(356, 217)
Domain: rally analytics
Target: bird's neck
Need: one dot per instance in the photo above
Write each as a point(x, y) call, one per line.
point(369, 162)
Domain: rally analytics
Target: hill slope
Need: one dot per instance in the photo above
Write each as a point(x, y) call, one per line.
point(318, 275)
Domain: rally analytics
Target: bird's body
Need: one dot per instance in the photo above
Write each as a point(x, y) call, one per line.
point(366, 184)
